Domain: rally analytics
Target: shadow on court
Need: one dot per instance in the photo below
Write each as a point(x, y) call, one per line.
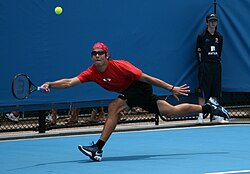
point(160, 156)
point(125, 158)
point(49, 163)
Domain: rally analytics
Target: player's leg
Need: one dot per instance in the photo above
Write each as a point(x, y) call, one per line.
point(169, 110)
point(94, 151)
point(114, 110)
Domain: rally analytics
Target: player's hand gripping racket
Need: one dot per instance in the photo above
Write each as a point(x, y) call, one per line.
point(22, 87)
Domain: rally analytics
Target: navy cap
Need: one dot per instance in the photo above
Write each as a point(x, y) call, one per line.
point(211, 16)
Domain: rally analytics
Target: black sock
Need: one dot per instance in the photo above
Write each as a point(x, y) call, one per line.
point(100, 144)
point(206, 109)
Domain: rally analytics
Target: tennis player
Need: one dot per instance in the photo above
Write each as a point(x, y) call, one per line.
point(134, 88)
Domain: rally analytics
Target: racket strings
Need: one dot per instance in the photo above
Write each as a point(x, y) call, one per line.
point(21, 87)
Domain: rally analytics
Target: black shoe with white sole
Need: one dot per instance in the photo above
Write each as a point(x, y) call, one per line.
point(91, 151)
point(218, 110)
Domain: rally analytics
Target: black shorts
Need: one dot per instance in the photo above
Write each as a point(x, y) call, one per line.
point(210, 79)
point(141, 94)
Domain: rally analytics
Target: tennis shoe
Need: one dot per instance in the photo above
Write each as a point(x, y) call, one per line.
point(218, 119)
point(91, 151)
point(212, 100)
point(218, 110)
point(12, 117)
point(200, 119)
point(49, 117)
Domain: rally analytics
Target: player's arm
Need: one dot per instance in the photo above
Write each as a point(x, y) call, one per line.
point(176, 90)
point(155, 81)
point(62, 83)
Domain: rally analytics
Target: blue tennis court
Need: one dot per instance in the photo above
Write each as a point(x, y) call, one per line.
point(216, 149)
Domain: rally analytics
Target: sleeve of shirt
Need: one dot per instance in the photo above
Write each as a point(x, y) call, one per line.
point(134, 72)
point(85, 76)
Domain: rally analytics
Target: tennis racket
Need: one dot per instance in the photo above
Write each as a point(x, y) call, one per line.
point(22, 87)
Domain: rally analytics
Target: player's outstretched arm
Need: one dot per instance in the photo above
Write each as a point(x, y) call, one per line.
point(176, 90)
point(61, 84)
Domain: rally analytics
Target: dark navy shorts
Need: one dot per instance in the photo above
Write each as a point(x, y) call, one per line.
point(141, 94)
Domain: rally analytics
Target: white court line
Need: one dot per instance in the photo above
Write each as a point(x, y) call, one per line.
point(122, 132)
point(236, 171)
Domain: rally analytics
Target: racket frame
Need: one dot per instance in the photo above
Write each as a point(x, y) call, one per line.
point(30, 85)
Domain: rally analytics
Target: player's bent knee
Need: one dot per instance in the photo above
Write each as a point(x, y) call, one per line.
point(116, 107)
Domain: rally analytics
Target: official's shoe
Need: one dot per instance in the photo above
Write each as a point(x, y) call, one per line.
point(91, 151)
point(217, 110)
point(200, 119)
point(212, 100)
point(12, 117)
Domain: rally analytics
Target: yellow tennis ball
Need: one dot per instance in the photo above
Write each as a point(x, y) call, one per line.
point(58, 10)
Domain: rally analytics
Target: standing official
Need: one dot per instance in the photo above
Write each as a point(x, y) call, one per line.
point(208, 50)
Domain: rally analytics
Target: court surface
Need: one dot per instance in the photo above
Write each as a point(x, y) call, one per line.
point(216, 149)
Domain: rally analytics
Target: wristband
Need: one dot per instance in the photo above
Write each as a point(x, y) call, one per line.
point(171, 88)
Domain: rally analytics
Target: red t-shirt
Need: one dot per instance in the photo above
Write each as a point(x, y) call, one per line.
point(118, 76)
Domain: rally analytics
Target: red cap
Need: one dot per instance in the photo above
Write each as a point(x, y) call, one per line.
point(100, 45)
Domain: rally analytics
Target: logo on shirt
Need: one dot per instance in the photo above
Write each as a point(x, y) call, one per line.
point(216, 40)
point(212, 48)
point(107, 79)
point(212, 51)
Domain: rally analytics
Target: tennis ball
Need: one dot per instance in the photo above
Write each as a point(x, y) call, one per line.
point(58, 10)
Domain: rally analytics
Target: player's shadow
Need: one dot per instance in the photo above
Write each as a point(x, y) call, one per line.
point(126, 158)
point(159, 156)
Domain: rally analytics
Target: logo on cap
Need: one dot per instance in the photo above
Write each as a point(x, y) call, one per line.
point(211, 16)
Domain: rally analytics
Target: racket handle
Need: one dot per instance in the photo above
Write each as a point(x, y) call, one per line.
point(40, 88)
